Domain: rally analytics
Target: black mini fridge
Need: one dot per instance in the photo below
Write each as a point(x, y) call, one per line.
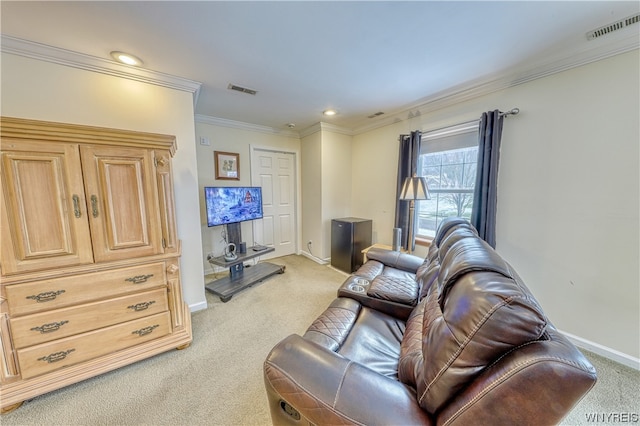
point(349, 236)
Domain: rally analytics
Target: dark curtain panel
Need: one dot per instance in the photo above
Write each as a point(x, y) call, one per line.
point(485, 197)
point(407, 166)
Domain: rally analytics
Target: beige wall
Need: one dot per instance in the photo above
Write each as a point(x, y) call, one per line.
point(311, 151)
point(46, 91)
point(568, 194)
point(336, 183)
point(236, 140)
point(326, 187)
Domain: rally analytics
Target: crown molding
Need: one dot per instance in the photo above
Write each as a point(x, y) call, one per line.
point(43, 52)
point(598, 51)
point(224, 122)
point(325, 127)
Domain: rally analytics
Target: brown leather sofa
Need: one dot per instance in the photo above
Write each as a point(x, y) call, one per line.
point(455, 338)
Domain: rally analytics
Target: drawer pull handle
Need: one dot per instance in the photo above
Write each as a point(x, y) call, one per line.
point(145, 331)
point(94, 206)
point(47, 296)
point(56, 356)
point(49, 328)
point(139, 279)
point(76, 205)
point(141, 306)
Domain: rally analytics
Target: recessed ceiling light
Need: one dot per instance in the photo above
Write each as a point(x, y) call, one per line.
point(126, 58)
point(329, 112)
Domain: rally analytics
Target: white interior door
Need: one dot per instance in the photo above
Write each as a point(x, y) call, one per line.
point(275, 172)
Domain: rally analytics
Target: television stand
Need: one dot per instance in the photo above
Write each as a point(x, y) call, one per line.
point(240, 277)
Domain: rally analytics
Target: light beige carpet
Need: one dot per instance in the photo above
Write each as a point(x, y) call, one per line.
point(218, 380)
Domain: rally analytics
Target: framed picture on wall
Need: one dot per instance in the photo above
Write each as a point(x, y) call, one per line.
point(227, 165)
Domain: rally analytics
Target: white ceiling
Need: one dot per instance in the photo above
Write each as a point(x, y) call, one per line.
point(304, 57)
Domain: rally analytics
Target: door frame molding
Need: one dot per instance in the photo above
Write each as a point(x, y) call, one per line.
point(253, 149)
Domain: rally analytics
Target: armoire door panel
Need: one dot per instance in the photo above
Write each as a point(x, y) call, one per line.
point(44, 221)
point(120, 186)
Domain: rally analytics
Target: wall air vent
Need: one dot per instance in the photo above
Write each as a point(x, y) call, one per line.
point(377, 114)
point(599, 32)
point(241, 89)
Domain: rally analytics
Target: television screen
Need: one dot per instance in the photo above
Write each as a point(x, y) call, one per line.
point(232, 204)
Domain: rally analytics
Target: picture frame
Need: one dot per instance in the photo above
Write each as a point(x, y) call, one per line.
point(227, 165)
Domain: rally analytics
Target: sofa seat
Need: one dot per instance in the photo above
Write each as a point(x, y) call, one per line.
point(361, 334)
point(475, 348)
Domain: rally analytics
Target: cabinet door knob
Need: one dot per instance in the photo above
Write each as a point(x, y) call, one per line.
point(76, 206)
point(94, 206)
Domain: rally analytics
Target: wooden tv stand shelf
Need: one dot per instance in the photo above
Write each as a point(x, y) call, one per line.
point(239, 278)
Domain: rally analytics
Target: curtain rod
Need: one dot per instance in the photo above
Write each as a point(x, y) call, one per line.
point(513, 111)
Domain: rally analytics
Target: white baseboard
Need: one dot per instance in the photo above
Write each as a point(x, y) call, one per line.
point(199, 306)
point(604, 351)
point(314, 258)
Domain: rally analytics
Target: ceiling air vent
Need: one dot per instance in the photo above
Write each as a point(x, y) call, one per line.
point(241, 89)
point(599, 32)
point(377, 114)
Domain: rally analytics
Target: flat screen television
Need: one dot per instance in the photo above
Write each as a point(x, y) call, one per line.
point(232, 204)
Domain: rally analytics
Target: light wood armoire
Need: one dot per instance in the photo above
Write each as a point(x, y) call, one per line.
point(89, 258)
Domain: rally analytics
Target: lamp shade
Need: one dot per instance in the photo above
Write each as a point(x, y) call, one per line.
point(415, 188)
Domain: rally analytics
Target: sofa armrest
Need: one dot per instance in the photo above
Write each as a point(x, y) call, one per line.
point(308, 384)
point(536, 384)
point(395, 259)
point(353, 289)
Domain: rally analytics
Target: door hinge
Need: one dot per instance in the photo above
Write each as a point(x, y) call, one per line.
point(164, 243)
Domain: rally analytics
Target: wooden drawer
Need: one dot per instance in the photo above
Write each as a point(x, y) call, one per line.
point(55, 293)
point(56, 324)
point(40, 359)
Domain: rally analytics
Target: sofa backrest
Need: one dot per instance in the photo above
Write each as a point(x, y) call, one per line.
point(475, 312)
point(449, 232)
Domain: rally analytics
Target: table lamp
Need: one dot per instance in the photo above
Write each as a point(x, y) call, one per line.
point(414, 188)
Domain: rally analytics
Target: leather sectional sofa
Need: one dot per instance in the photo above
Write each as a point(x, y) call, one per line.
point(455, 338)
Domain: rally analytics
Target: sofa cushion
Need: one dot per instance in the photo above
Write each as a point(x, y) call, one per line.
point(428, 278)
point(478, 312)
point(374, 342)
point(332, 327)
point(398, 290)
point(447, 225)
point(370, 270)
point(411, 347)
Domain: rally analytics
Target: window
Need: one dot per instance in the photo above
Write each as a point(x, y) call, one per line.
point(448, 160)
